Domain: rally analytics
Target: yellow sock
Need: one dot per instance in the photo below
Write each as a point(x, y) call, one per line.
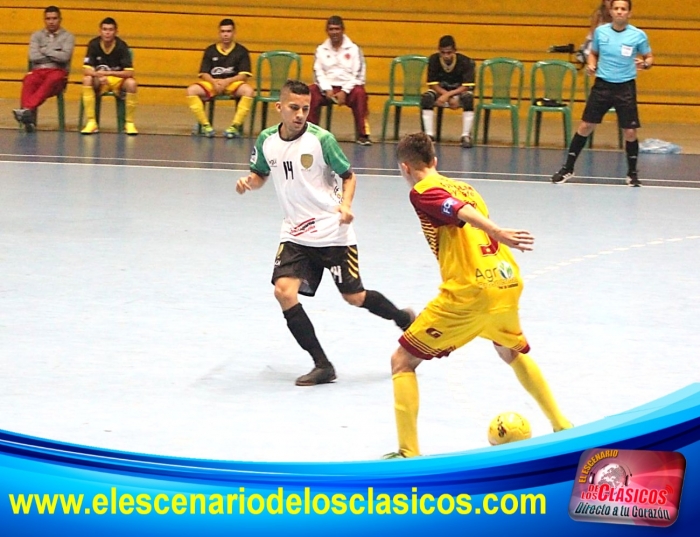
point(242, 110)
point(531, 378)
point(197, 107)
point(130, 107)
point(89, 103)
point(406, 409)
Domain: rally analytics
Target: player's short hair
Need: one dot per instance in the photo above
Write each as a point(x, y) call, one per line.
point(110, 21)
point(417, 150)
point(297, 87)
point(447, 41)
point(52, 9)
point(629, 3)
point(335, 20)
point(227, 22)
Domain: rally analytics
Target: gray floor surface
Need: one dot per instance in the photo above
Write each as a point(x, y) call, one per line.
point(136, 313)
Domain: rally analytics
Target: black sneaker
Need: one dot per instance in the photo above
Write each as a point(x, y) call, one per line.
point(467, 142)
point(23, 116)
point(632, 179)
point(393, 455)
point(562, 176)
point(363, 140)
point(318, 375)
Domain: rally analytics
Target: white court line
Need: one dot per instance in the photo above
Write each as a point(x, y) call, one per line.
point(242, 167)
point(575, 260)
point(124, 166)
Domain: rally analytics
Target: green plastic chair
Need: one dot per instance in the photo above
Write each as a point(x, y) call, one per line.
point(412, 67)
point(587, 89)
point(505, 93)
point(121, 106)
point(559, 79)
point(280, 65)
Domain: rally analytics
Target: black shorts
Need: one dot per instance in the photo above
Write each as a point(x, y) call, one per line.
point(307, 263)
point(606, 95)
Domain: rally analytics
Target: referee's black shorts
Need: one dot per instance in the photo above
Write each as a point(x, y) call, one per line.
point(606, 95)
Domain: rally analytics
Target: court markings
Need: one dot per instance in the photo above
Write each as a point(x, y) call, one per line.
point(602, 253)
point(361, 172)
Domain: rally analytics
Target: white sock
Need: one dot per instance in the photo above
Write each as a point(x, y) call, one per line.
point(467, 120)
point(428, 121)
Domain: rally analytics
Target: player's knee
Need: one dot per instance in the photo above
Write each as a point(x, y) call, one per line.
point(585, 128)
point(403, 362)
point(506, 354)
point(427, 100)
point(246, 90)
point(355, 299)
point(283, 293)
point(466, 101)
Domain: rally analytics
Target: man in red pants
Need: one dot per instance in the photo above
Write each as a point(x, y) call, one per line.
point(50, 52)
point(339, 72)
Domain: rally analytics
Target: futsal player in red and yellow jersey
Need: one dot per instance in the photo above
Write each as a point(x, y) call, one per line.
point(479, 294)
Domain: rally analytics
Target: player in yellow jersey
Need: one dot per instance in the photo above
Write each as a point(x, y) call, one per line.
point(479, 294)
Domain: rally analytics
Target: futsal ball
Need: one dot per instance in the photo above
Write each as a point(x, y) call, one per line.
point(508, 427)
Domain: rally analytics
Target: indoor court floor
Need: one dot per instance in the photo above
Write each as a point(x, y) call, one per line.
point(136, 311)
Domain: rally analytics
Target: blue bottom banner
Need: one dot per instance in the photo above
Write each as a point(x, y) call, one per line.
point(634, 473)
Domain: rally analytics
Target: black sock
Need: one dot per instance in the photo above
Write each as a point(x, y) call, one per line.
point(575, 147)
point(303, 331)
point(381, 306)
point(632, 150)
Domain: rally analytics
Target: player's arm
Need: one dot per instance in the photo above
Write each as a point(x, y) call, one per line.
point(36, 51)
point(125, 63)
point(89, 62)
point(124, 73)
point(645, 62)
point(61, 50)
point(515, 238)
point(205, 67)
point(252, 181)
point(320, 72)
point(243, 70)
point(592, 58)
point(592, 62)
point(242, 77)
point(433, 78)
point(345, 208)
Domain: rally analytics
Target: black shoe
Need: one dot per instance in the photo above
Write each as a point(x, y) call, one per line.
point(562, 176)
point(318, 375)
point(363, 140)
point(393, 455)
point(467, 142)
point(23, 115)
point(411, 318)
point(632, 179)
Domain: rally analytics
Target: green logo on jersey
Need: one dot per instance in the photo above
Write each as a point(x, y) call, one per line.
point(505, 270)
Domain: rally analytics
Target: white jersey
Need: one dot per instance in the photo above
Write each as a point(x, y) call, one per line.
point(305, 173)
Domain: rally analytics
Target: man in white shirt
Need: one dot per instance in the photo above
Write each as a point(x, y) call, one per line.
point(315, 186)
point(339, 71)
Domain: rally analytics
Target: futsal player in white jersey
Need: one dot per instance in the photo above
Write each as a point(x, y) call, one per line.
point(305, 164)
